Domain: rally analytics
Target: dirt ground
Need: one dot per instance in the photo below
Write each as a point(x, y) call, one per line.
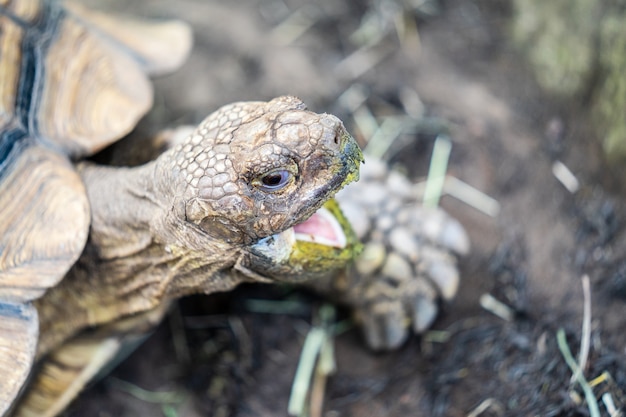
point(217, 356)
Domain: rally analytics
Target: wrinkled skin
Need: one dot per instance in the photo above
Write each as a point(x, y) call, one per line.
point(185, 222)
point(398, 263)
point(179, 236)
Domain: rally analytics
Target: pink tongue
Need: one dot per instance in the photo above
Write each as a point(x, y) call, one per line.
point(317, 226)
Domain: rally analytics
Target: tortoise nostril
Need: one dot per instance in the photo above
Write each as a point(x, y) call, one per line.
point(337, 138)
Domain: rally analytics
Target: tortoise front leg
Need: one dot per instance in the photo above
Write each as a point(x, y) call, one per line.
point(409, 261)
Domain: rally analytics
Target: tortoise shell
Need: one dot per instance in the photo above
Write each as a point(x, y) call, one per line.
point(72, 81)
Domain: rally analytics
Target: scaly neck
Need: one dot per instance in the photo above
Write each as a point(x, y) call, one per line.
point(132, 261)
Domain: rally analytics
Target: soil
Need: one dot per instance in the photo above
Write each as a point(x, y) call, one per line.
point(218, 356)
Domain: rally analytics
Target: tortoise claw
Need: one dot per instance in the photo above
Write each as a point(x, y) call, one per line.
point(384, 325)
point(425, 311)
point(409, 262)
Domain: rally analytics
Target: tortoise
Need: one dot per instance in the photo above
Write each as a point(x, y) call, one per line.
point(90, 254)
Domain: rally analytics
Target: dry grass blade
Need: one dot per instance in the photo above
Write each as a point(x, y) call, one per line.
point(456, 188)
point(608, 402)
point(585, 338)
point(302, 380)
point(292, 307)
point(486, 405)
point(353, 97)
point(366, 123)
point(496, 307)
point(361, 61)
point(317, 346)
point(294, 26)
point(565, 176)
point(437, 171)
point(325, 366)
point(166, 399)
point(592, 403)
point(612, 390)
point(384, 136)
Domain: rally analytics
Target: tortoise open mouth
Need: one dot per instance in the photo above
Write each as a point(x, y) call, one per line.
point(314, 248)
point(322, 228)
point(326, 234)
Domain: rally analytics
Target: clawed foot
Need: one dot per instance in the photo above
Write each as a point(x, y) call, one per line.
point(409, 262)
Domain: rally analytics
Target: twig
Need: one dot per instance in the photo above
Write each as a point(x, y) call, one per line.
point(565, 176)
point(154, 397)
point(366, 123)
point(496, 307)
point(318, 344)
point(385, 135)
point(592, 403)
point(484, 406)
point(456, 188)
point(286, 307)
point(361, 61)
point(325, 366)
point(294, 26)
point(607, 399)
point(302, 380)
point(585, 337)
point(437, 171)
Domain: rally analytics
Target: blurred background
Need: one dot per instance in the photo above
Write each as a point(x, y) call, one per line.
point(533, 97)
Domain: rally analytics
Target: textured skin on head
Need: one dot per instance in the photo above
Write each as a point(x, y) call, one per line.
point(221, 161)
point(184, 223)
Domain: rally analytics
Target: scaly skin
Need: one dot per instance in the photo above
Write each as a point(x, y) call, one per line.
point(184, 223)
point(408, 254)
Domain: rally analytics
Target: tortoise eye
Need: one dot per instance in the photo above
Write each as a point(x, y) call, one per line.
point(273, 180)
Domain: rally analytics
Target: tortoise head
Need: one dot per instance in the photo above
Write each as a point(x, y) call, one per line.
point(253, 170)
